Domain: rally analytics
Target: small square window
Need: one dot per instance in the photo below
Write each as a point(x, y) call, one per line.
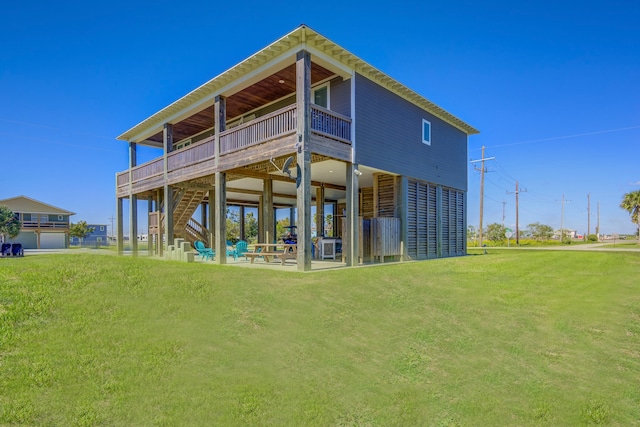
point(102, 228)
point(426, 132)
point(60, 217)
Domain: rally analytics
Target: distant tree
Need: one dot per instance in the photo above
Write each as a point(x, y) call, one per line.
point(232, 224)
point(540, 231)
point(631, 204)
point(80, 230)
point(328, 221)
point(280, 228)
point(472, 232)
point(251, 227)
point(9, 223)
point(495, 232)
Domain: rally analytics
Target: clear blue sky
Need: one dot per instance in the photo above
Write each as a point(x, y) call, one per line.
point(553, 86)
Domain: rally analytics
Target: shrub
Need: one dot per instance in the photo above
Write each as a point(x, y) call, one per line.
point(592, 238)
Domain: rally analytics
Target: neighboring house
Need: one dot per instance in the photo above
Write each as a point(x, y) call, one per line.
point(43, 226)
point(98, 237)
point(388, 165)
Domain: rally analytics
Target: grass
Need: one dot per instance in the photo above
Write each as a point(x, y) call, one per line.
point(633, 244)
point(511, 338)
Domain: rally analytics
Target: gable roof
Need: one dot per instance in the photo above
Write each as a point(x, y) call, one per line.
point(27, 204)
point(304, 37)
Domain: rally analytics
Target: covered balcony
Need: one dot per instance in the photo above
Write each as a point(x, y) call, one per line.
point(259, 139)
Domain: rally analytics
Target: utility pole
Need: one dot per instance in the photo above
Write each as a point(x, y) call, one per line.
point(562, 219)
point(111, 218)
point(598, 225)
point(518, 191)
point(588, 214)
point(482, 171)
point(503, 205)
point(517, 220)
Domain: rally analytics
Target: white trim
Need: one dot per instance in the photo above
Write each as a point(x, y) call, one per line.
point(426, 141)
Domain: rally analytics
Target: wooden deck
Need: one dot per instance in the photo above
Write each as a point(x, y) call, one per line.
point(266, 137)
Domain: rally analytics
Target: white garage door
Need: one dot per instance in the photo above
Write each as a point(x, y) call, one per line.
point(52, 241)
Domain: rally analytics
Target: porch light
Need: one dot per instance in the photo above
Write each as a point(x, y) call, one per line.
point(281, 81)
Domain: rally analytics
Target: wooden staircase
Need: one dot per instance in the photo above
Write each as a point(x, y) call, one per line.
point(186, 202)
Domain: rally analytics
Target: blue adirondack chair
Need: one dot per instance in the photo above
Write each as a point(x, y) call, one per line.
point(231, 251)
point(17, 250)
point(205, 253)
point(241, 248)
point(6, 249)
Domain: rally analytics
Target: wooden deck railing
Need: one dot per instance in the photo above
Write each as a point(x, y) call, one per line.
point(280, 123)
point(44, 224)
point(192, 154)
point(197, 231)
point(330, 124)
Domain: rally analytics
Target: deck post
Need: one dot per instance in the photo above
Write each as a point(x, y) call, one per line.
point(159, 247)
point(119, 225)
point(401, 202)
point(242, 231)
point(261, 219)
point(133, 202)
point(439, 209)
point(352, 216)
point(267, 210)
point(167, 139)
point(211, 210)
point(203, 214)
point(149, 237)
point(220, 117)
point(220, 206)
point(320, 211)
point(303, 152)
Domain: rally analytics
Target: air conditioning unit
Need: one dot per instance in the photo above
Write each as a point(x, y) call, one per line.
point(327, 249)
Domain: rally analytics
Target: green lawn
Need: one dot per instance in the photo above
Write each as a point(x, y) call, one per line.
point(509, 338)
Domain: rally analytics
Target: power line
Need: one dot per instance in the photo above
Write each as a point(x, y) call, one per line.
point(555, 138)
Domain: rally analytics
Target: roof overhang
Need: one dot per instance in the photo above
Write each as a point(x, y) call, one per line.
point(280, 54)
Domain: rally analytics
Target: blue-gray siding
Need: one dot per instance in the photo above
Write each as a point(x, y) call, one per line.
point(340, 96)
point(389, 137)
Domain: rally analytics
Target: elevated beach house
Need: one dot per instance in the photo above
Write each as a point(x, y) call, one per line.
point(43, 226)
point(304, 123)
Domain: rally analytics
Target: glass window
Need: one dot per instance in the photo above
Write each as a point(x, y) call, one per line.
point(321, 96)
point(426, 132)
